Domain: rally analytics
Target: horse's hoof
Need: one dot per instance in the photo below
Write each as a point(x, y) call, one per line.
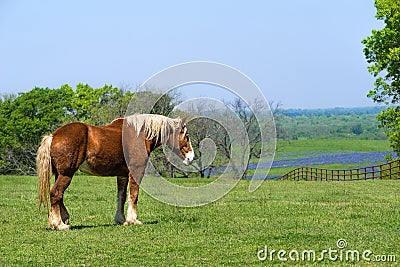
point(132, 222)
point(60, 227)
point(63, 227)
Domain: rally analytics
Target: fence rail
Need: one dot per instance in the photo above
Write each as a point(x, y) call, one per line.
point(389, 171)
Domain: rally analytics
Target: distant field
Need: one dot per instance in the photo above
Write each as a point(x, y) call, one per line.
point(281, 215)
point(325, 124)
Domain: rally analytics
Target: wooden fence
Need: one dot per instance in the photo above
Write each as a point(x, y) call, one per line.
point(390, 171)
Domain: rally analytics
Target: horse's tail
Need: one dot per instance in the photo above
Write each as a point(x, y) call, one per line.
point(43, 164)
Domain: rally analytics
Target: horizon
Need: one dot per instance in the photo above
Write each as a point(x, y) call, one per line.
point(338, 107)
point(282, 106)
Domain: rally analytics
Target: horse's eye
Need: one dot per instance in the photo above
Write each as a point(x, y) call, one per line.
point(183, 128)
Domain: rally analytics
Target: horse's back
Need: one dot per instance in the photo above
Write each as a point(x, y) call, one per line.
point(76, 128)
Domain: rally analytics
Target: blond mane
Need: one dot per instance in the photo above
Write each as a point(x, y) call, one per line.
point(155, 126)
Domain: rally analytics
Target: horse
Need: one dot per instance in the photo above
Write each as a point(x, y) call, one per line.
point(121, 149)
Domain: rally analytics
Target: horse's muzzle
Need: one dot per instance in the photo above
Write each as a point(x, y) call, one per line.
point(188, 158)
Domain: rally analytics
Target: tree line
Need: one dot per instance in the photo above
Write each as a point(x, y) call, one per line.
point(25, 118)
point(363, 126)
point(338, 111)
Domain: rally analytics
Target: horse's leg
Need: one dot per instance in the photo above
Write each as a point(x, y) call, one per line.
point(63, 210)
point(56, 200)
point(131, 217)
point(122, 183)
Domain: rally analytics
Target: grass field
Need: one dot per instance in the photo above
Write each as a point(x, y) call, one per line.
point(281, 215)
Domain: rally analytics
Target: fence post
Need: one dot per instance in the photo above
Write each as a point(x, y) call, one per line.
point(398, 169)
point(373, 172)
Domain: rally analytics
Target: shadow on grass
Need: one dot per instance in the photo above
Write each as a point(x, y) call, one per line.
point(81, 227)
point(151, 222)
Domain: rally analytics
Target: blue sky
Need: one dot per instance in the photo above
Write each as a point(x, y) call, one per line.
point(302, 53)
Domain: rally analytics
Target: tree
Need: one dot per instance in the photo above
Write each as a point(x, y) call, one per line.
point(254, 128)
point(357, 129)
point(207, 136)
point(99, 106)
point(153, 103)
point(25, 120)
point(382, 51)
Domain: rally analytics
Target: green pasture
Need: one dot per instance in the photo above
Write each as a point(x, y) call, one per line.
point(282, 215)
point(331, 145)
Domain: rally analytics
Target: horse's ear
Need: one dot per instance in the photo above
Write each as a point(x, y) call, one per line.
point(184, 120)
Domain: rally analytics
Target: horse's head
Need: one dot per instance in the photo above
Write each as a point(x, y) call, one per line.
point(181, 145)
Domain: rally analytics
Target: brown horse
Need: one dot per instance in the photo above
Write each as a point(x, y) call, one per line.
point(120, 149)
